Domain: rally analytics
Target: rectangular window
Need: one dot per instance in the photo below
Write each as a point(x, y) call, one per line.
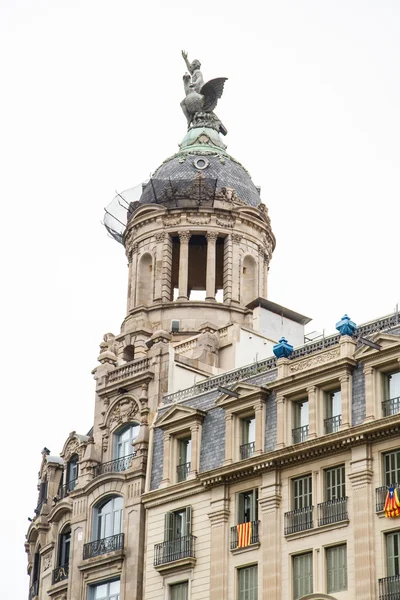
point(391, 465)
point(184, 458)
point(336, 568)
point(247, 506)
point(392, 553)
point(300, 421)
point(108, 590)
point(335, 484)
point(247, 583)
point(302, 492)
point(179, 591)
point(302, 575)
point(178, 524)
point(248, 437)
point(333, 411)
point(391, 394)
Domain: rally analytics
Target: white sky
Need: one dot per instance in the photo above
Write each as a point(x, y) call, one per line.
point(90, 103)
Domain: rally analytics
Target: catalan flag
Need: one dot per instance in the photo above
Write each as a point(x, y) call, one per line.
point(244, 535)
point(392, 503)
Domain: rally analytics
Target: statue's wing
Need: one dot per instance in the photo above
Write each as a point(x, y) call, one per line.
point(212, 91)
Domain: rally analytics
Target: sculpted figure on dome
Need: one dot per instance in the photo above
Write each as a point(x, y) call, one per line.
point(201, 98)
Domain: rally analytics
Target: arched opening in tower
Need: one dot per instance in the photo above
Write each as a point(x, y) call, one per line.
point(249, 279)
point(197, 267)
point(145, 279)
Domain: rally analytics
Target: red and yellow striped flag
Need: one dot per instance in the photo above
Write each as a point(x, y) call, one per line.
point(244, 535)
point(392, 504)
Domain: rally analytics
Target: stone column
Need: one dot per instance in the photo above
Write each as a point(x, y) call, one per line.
point(211, 258)
point(271, 535)
point(228, 268)
point(166, 274)
point(369, 374)
point(236, 239)
point(158, 265)
point(346, 395)
point(280, 417)
point(228, 438)
point(312, 412)
point(266, 269)
point(132, 274)
point(184, 237)
point(195, 432)
point(363, 516)
point(219, 517)
point(167, 460)
point(261, 281)
point(128, 302)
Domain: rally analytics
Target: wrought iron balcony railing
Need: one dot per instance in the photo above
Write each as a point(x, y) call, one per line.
point(299, 520)
point(39, 507)
point(60, 573)
point(114, 466)
point(182, 471)
point(389, 588)
point(108, 544)
point(332, 511)
point(183, 547)
point(300, 434)
point(332, 424)
point(34, 590)
point(380, 495)
point(391, 407)
point(65, 489)
point(247, 450)
point(238, 540)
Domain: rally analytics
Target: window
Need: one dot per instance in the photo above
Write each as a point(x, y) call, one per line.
point(335, 484)
point(247, 506)
point(178, 524)
point(336, 568)
point(108, 518)
point(178, 539)
point(300, 421)
point(179, 591)
point(302, 575)
point(64, 540)
point(184, 457)
point(393, 554)
point(391, 465)
point(333, 411)
point(123, 442)
point(248, 435)
point(72, 472)
point(391, 394)
point(302, 492)
point(109, 590)
point(301, 517)
point(247, 583)
point(129, 353)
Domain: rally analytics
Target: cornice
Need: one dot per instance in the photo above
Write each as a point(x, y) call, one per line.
point(178, 491)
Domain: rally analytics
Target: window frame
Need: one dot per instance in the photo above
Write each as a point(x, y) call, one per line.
point(119, 432)
point(328, 552)
point(342, 484)
point(63, 543)
point(295, 558)
point(175, 584)
point(389, 535)
point(249, 594)
point(253, 509)
point(92, 588)
point(309, 493)
point(97, 524)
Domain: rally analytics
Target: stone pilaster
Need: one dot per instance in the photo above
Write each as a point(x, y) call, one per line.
point(229, 433)
point(166, 480)
point(271, 534)
point(261, 281)
point(195, 432)
point(266, 269)
point(369, 374)
point(228, 269)
point(236, 239)
point(312, 412)
point(346, 396)
point(280, 416)
point(133, 275)
point(219, 517)
point(184, 237)
point(259, 411)
point(166, 292)
point(158, 266)
point(211, 259)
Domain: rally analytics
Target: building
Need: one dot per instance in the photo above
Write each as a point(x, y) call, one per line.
point(222, 462)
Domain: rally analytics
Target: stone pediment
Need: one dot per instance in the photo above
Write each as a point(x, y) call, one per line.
point(388, 342)
point(179, 414)
point(245, 391)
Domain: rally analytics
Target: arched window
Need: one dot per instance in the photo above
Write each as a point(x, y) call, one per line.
point(249, 279)
point(124, 438)
point(108, 518)
point(72, 472)
point(64, 541)
point(144, 279)
point(34, 589)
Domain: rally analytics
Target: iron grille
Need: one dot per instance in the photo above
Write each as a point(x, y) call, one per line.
point(391, 407)
point(333, 423)
point(108, 544)
point(183, 471)
point(114, 466)
point(247, 450)
point(332, 511)
point(65, 489)
point(60, 573)
point(389, 588)
point(380, 495)
point(300, 434)
point(34, 590)
point(254, 538)
point(299, 520)
point(183, 547)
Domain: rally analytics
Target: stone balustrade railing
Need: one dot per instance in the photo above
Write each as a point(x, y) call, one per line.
point(128, 370)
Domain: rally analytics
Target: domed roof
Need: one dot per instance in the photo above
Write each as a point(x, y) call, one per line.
point(202, 162)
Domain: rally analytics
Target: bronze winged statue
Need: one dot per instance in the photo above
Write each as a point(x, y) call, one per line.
point(201, 98)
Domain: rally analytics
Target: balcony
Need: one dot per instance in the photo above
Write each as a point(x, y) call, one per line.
point(34, 590)
point(389, 588)
point(381, 493)
point(300, 434)
point(174, 550)
point(65, 489)
point(332, 511)
point(299, 520)
point(391, 407)
point(60, 573)
point(39, 507)
point(108, 544)
point(238, 540)
point(182, 472)
point(114, 466)
point(247, 450)
point(332, 424)
point(128, 370)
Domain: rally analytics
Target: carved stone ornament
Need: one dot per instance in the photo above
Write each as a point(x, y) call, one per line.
point(237, 238)
point(227, 194)
point(104, 442)
point(171, 221)
point(72, 448)
point(226, 223)
point(184, 236)
point(47, 561)
point(212, 236)
point(313, 362)
point(199, 221)
point(125, 410)
point(160, 236)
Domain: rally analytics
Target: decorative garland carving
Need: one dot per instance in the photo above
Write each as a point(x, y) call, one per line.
point(229, 223)
point(125, 410)
point(199, 221)
point(314, 361)
point(171, 221)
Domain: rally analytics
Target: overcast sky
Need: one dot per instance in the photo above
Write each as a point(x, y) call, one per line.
point(90, 104)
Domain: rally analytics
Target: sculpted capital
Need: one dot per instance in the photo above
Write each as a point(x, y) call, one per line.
point(184, 236)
